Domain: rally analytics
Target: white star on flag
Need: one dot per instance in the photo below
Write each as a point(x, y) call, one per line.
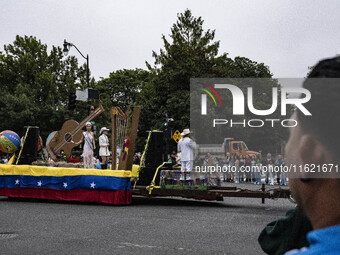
point(17, 181)
point(65, 185)
point(39, 183)
point(92, 185)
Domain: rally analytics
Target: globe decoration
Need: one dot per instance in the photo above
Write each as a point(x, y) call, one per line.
point(9, 141)
point(50, 137)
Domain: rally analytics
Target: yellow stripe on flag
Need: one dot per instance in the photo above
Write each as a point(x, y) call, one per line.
point(58, 171)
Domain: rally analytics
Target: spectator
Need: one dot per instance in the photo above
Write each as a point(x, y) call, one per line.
point(242, 173)
point(206, 161)
point(253, 169)
point(136, 159)
point(215, 162)
point(271, 174)
point(237, 172)
point(281, 177)
point(210, 159)
point(258, 170)
point(265, 162)
point(286, 233)
point(173, 159)
point(316, 140)
point(98, 164)
point(198, 161)
point(225, 164)
point(247, 164)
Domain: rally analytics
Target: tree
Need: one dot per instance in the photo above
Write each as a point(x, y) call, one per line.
point(122, 88)
point(191, 52)
point(35, 86)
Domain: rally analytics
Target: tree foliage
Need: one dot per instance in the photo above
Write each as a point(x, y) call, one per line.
point(122, 88)
point(190, 52)
point(35, 85)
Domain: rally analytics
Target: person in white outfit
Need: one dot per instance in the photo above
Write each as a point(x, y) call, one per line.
point(104, 144)
point(271, 176)
point(186, 146)
point(89, 146)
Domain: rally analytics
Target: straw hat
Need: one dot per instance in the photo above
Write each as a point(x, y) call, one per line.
point(103, 129)
point(185, 132)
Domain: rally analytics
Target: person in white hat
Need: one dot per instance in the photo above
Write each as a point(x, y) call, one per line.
point(186, 147)
point(104, 144)
point(89, 146)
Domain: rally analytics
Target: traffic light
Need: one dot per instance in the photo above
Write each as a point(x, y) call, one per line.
point(166, 121)
point(91, 108)
point(72, 101)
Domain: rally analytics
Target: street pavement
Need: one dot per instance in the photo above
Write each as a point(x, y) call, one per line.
point(148, 226)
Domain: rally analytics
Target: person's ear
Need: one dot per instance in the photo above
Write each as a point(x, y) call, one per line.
point(311, 151)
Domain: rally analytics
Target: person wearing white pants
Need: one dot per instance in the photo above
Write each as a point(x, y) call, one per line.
point(186, 165)
point(271, 176)
point(186, 147)
point(104, 144)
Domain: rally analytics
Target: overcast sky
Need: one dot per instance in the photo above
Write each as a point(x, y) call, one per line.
point(286, 35)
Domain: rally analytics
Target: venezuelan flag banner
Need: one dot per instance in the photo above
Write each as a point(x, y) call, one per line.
point(68, 184)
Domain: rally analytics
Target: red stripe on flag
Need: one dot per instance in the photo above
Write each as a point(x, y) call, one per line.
point(116, 197)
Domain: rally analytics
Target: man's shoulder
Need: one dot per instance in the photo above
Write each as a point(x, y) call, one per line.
point(324, 241)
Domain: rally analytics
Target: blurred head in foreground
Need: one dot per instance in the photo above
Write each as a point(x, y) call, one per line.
point(315, 143)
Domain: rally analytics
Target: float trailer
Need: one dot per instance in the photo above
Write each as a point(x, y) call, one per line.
point(216, 193)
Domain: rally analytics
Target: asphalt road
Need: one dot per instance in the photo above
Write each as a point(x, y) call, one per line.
point(148, 226)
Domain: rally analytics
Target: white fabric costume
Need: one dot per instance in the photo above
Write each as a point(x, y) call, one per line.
point(104, 146)
point(88, 150)
point(186, 146)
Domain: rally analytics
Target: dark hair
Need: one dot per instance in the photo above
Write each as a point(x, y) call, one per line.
point(324, 104)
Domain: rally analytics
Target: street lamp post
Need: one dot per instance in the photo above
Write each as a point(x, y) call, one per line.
point(66, 49)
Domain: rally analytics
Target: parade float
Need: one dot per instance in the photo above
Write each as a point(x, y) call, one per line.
point(68, 183)
point(23, 177)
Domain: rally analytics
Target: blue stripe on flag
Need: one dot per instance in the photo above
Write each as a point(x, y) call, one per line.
point(66, 182)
